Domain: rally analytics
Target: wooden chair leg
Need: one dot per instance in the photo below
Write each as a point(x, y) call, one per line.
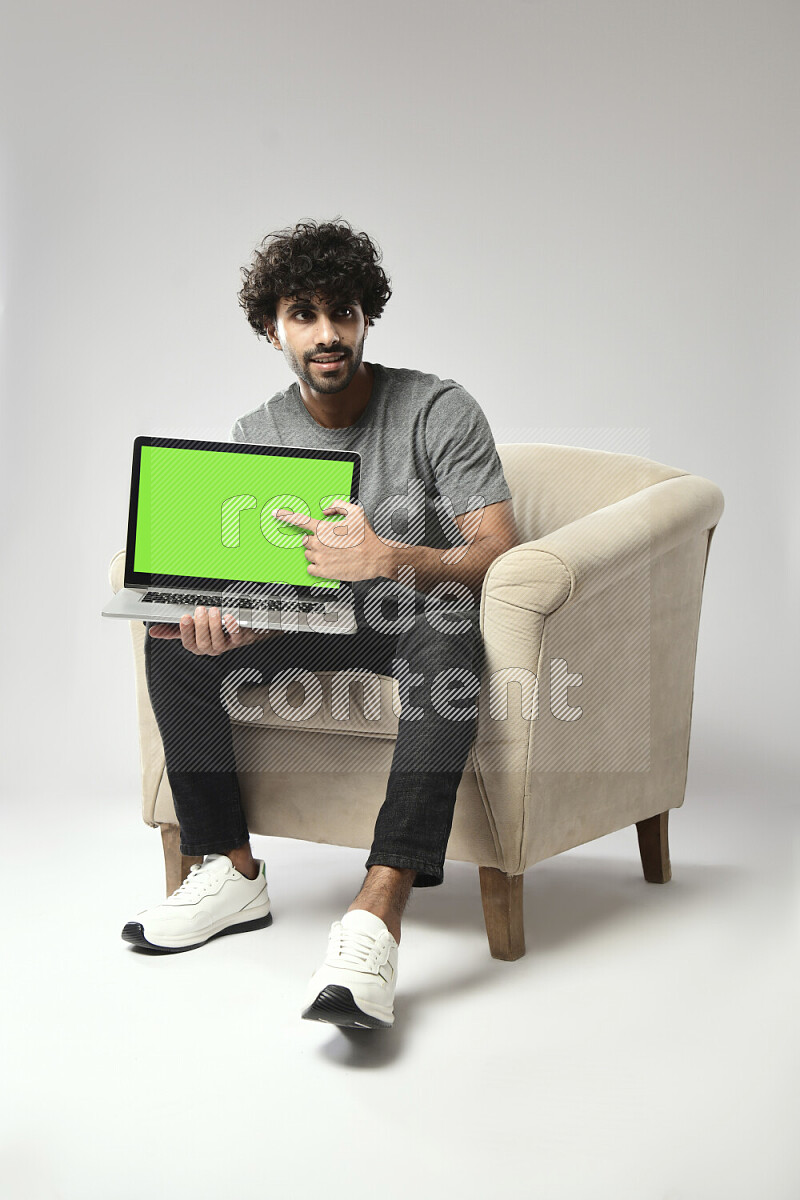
point(501, 896)
point(654, 848)
point(176, 865)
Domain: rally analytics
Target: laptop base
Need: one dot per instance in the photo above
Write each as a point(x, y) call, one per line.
point(293, 617)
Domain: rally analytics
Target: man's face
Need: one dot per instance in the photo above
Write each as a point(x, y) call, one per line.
point(310, 329)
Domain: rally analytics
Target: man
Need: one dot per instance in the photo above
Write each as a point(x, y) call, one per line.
point(314, 292)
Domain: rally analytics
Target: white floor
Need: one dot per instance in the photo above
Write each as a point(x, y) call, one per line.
point(644, 1048)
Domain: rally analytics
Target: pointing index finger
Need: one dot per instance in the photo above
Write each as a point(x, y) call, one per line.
point(294, 518)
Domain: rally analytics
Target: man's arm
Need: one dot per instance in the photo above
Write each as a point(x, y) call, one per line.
point(467, 565)
point(351, 550)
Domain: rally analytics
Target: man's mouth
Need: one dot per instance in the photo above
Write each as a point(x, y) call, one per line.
point(329, 360)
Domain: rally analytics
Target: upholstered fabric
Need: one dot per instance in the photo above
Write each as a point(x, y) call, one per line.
point(590, 627)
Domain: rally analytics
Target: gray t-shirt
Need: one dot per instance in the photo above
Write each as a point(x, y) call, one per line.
point(421, 439)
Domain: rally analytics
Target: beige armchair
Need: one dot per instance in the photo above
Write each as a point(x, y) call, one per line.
point(590, 627)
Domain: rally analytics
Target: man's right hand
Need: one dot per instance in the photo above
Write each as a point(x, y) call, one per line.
point(205, 633)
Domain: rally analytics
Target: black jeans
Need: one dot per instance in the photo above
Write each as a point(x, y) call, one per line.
point(435, 730)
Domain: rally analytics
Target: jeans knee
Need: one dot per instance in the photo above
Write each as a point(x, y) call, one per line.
point(449, 637)
point(436, 658)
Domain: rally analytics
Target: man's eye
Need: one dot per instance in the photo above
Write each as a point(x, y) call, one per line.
point(345, 310)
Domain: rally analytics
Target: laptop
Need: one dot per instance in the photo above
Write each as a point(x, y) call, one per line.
point(201, 530)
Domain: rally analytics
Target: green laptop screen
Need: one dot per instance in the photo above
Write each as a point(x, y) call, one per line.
point(207, 514)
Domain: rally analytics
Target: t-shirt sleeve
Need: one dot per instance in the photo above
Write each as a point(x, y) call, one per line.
point(257, 427)
point(462, 451)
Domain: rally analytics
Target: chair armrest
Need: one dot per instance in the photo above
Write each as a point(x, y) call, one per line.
point(532, 605)
point(116, 571)
point(582, 558)
point(150, 747)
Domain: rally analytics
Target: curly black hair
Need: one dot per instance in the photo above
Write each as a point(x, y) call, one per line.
point(328, 259)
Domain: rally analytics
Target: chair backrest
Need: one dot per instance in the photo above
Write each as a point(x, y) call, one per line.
point(553, 485)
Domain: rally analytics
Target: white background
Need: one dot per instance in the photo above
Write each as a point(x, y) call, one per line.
point(589, 213)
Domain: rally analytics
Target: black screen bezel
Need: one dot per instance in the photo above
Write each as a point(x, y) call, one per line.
point(140, 579)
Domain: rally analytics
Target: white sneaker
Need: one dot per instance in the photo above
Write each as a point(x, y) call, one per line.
point(355, 985)
point(214, 898)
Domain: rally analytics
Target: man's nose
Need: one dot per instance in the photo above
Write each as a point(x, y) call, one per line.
point(326, 332)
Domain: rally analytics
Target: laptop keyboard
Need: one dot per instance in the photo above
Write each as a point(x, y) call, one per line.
point(253, 602)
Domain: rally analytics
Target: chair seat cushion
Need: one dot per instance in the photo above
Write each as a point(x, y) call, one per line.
point(367, 711)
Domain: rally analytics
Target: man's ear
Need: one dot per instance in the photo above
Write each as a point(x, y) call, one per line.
point(271, 330)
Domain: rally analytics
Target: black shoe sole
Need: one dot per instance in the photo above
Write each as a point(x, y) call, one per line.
point(335, 1004)
point(133, 932)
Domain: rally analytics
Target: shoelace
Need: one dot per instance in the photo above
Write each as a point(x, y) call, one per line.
point(196, 883)
point(356, 949)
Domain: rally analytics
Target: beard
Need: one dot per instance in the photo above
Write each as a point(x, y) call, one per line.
point(328, 384)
